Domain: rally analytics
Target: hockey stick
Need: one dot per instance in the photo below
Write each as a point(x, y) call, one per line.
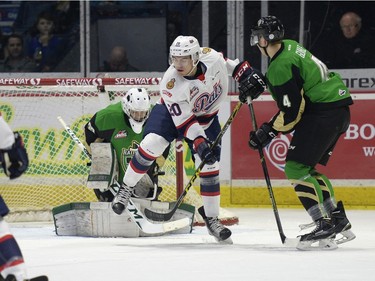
point(136, 215)
point(266, 176)
point(167, 216)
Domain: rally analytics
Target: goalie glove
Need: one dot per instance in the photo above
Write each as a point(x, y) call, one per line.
point(262, 137)
point(14, 160)
point(252, 86)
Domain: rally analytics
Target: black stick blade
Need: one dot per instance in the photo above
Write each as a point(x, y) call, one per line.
point(155, 216)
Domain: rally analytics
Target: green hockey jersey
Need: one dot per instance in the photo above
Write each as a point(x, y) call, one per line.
point(111, 125)
point(300, 82)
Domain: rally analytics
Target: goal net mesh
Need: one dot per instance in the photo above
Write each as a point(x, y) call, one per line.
point(58, 169)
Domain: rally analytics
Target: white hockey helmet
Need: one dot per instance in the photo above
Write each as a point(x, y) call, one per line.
point(136, 104)
point(185, 46)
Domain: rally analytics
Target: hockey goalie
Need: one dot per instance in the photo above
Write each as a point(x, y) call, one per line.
point(112, 136)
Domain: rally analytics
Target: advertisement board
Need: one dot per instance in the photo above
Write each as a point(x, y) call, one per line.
point(353, 157)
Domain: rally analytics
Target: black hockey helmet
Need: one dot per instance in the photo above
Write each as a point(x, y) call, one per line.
point(271, 29)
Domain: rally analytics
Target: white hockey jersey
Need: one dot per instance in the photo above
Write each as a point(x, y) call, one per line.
point(194, 102)
point(6, 134)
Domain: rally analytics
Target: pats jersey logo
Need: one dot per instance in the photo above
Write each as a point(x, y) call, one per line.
point(204, 102)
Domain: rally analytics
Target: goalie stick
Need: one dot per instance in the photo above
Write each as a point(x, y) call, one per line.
point(284, 239)
point(136, 215)
point(167, 216)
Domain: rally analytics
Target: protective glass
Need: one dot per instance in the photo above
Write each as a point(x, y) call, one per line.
point(255, 36)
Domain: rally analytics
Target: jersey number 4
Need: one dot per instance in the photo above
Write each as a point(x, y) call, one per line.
point(286, 101)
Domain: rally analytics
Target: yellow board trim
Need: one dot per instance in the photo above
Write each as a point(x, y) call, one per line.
point(353, 197)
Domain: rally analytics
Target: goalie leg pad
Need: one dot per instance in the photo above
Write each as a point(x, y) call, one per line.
point(96, 219)
point(104, 167)
point(92, 219)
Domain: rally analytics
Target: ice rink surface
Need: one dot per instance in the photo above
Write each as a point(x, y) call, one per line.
point(257, 253)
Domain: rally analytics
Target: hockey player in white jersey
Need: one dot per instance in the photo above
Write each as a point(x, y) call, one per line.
point(14, 161)
point(192, 90)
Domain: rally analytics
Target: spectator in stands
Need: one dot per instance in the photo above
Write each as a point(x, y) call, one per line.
point(352, 48)
point(118, 62)
point(45, 47)
point(16, 61)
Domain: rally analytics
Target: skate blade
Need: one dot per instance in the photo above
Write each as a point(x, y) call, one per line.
point(347, 236)
point(317, 245)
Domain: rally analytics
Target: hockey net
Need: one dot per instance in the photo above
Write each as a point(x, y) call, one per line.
point(58, 169)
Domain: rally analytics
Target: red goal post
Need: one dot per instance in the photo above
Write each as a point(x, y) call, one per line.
point(58, 169)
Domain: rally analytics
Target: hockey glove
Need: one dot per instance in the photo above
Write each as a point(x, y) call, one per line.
point(202, 147)
point(262, 137)
point(252, 86)
point(241, 71)
point(14, 160)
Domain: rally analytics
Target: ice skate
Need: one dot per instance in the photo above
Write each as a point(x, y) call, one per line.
point(216, 229)
point(320, 238)
point(121, 199)
point(341, 224)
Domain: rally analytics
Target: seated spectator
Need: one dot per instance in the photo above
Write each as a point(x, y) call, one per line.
point(45, 47)
point(16, 61)
point(118, 62)
point(352, 48)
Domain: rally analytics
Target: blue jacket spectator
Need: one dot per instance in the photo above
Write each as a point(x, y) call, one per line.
point(45, 47)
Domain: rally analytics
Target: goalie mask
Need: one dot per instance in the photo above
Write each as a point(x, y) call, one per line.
point(136, 105)
point(185, 46)
point(270, 28)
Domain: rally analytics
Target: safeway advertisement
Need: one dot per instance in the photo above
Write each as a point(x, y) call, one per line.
point(352, 158)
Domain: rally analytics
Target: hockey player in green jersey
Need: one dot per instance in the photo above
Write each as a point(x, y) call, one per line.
point(121, 124)
point(314, 104)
